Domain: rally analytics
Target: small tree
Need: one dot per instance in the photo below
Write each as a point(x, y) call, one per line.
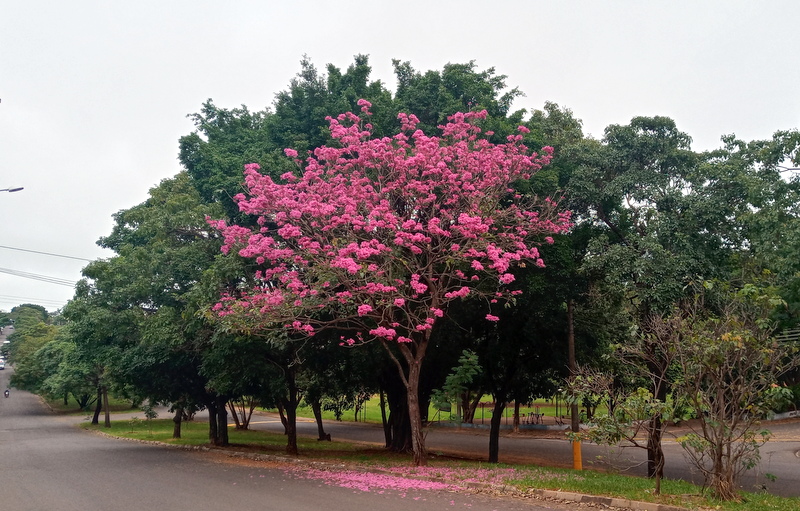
point(381, 234)
point(457, 386)
point(728, 362)
point(636, 417)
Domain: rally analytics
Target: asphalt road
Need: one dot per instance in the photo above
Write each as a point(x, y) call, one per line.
point(779, 457)
point(46, 464)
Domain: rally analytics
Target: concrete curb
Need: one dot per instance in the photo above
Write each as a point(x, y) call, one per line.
point(607, 501)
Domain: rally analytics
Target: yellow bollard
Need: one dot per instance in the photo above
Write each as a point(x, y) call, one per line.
point(577, 461)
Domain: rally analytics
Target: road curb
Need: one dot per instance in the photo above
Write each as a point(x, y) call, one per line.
point(607, 501)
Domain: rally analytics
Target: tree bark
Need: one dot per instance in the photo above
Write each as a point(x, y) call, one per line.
point(290, 406)
point(213, 436)
point(98, 406)
point(222, 421)
point(316, 407)
point(282, 415)
point(494, 431)
point(107, 422)
point(415, 416)
point(387, 431)
point(398, 432)
point(177, 421)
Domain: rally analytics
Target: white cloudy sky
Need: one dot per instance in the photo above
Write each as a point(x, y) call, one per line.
point(94, 94)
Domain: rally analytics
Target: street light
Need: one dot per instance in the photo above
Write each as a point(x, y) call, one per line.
point(12, 189)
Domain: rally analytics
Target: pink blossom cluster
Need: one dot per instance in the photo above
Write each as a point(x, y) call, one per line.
point(390, 229)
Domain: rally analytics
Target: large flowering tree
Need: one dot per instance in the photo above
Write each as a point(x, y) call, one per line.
point(380, 235)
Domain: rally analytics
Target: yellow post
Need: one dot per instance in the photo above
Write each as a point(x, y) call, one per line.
point(577, 461)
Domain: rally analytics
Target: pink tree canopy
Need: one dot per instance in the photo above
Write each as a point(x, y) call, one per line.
point(379, 235)
point(383, 233)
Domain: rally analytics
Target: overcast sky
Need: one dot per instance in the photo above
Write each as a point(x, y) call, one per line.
point(94, 94)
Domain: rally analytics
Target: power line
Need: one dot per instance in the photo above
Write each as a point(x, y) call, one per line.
point(35, 276)
point(28, 299)
point(46, 253)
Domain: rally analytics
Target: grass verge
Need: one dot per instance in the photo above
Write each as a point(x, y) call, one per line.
point(518, 479)
point(71, 407)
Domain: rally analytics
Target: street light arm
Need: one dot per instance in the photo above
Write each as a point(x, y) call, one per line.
point(12, 189)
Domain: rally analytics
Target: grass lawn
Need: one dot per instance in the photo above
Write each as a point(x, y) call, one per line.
point(115, 405)
point(523, 478)
point(371, 412)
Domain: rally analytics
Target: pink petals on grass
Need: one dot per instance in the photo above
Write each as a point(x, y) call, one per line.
point(371, 482)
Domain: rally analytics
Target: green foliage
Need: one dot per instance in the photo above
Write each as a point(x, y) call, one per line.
point(458, 381)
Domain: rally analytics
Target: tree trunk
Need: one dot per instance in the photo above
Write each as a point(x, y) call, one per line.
point(177, 421)
point(415, 415)
point(655, 452)
point(398, 433)
point(234, 414)
point(494, 431)
point(282, 415)
point(213, 436)
point(98, 406)
point(107, 422)
point(470, 406)
point(291, 411)
point(222, 422)
point(387, 431)
point(316, 407)
point(516, 416)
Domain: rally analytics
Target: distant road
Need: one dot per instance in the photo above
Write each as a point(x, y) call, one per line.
point(48, 464)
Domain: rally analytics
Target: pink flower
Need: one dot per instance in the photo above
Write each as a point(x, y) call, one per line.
point(365, 309)
point(291, 153)
point(507, 278)
point(399, 302)
point(492, 318)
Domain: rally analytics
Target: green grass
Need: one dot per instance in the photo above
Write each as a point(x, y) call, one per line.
point(115, 405)
point(522, 477)
point(371, 412)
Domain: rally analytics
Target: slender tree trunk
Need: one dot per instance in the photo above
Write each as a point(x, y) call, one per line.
point(98, 406)
point(472, 407)
point(107, 423)
point(213, 435)
point(494, 431)
point(316, 407)
point(291, 412)
point(177, 421)
point(516, 415)
point(415, 415)
point(234, 414)
point(282, 415)
point(222, 421)
point(655, 453)
point(396, 397)
point(387, 431)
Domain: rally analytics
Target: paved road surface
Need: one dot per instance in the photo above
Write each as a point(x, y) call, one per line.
point(46, 464)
